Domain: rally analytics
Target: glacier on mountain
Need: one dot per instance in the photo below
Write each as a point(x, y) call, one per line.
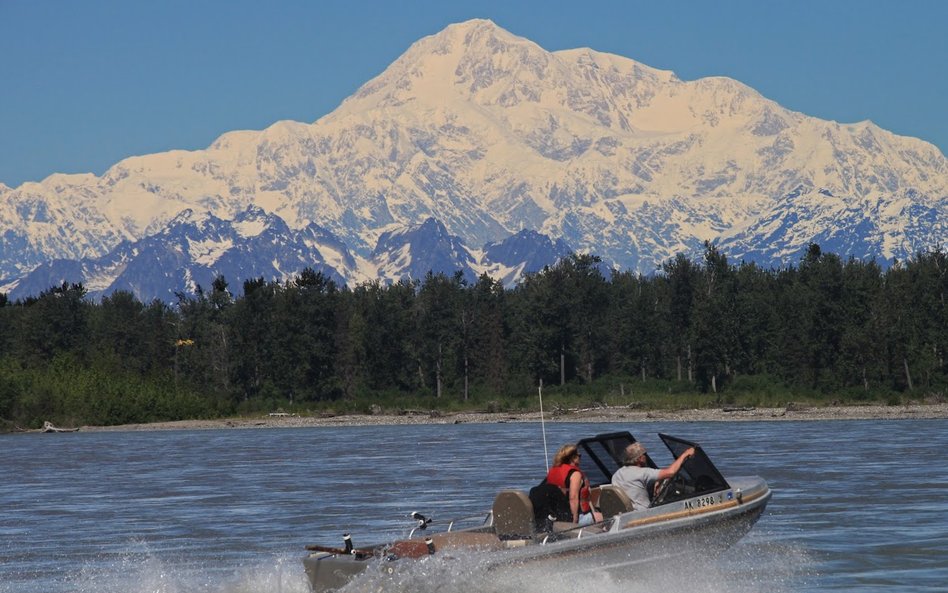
point(488, 134)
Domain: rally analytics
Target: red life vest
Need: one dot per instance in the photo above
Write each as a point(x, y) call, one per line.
point(559, 476)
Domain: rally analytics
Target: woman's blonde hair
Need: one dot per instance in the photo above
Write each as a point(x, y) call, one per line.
point(566, 452)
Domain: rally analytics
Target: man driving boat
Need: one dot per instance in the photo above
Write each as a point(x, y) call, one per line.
point(637, 479)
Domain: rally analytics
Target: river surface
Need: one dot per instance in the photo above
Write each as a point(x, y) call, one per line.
point(858, 506)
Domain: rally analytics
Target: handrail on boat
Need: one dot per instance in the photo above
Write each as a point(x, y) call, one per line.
point(450, 525)
point(579, 534)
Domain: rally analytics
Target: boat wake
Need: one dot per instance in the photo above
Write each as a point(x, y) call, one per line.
point(757, 565)
point(145, 573)
point(764, 567)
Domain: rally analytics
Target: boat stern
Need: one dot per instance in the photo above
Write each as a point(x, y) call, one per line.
point(328, 572)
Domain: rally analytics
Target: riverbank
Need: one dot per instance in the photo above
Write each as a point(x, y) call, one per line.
point(792, 412)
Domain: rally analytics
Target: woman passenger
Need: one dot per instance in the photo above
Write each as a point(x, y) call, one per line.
point(566, 475)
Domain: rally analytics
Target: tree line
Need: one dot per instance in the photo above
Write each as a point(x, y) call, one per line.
point(825, 325)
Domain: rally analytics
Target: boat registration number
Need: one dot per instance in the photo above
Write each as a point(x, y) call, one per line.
point(698, 503)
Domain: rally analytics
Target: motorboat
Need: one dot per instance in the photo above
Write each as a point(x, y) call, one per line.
point(50, 427)
point(696, 513)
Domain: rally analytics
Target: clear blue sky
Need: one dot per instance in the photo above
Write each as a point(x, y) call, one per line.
point(85, 83)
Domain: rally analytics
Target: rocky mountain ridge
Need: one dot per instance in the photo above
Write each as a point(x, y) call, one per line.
point(489, 135)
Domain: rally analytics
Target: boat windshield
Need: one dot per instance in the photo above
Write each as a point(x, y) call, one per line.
point(697, 475)
point(602, 456)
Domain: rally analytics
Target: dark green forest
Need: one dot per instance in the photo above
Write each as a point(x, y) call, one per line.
point(705, 332)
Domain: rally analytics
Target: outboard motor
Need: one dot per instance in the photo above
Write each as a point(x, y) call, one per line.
point(422, 522)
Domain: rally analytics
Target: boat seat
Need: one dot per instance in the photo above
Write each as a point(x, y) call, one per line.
point(613, 501)
point(459, 540)
point(548, 502)
point(513, 515)
point(565, 530)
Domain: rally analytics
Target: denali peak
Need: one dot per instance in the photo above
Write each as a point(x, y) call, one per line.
point(488, 134)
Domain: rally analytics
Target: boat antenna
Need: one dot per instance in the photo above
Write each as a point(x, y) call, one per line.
point(546, 455)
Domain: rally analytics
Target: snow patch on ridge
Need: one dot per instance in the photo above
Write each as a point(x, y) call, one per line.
point(208, 252)
point(489, 134)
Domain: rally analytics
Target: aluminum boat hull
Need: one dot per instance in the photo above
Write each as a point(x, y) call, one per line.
point(699, 527)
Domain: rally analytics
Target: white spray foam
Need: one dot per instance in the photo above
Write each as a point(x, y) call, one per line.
point(759, 565)
point(765, 567)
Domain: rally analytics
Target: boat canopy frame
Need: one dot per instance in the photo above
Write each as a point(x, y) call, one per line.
point(603, 456)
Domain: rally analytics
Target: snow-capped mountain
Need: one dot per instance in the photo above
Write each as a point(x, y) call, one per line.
point(527, 251)
point(416, 251)
point(490, 134)
point(194, 249)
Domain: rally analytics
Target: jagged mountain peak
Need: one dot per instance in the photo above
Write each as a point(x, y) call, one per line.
point(459, 41)
point(488, 133)
point(415, 251)
point(429, 230)
point(194, 220)
point(467, 61)
point(529, 247)
point(188, 216)
point(254, 221)
point(477, 63)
